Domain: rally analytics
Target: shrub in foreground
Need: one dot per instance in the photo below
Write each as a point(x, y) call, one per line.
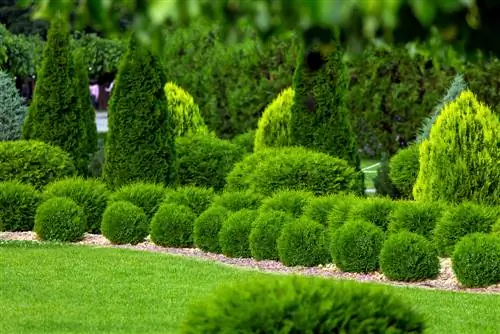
point(475, 260)
point(265, 233)
point(207, 227)
point(356, 246)
point(147, 196)
point(341, 209)
point(172, 226)
point(319, 208)
point(18, 204)
point(295, 304)
point(245, 141)
point(407, 256)
point(124, 223)
point(91, 195)
point(235, 232)
point(291, 202)
point(196, 198)
point(374, 210)
point(417, 217)
point(403, 169)
point(60, 219)
point(303, 242)
point(239, 200)
point(495, 229)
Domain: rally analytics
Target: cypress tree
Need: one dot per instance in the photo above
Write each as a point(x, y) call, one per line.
point(140, 140)
point(53, 116)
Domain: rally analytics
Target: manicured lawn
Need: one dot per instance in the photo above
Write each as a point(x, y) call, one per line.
point(77, 289)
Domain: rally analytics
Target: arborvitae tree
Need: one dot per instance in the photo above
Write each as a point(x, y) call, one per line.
point(53, 116)
point(12, 110)
point(140, 140)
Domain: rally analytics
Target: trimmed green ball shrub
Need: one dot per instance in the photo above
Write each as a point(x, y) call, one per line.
point(376, 210)
point(273, 129)
point(207, 227)
point(319, 208)
point(291, 202)
point(245, 141)
point(172, 226)
point(265, 232)
point(303, 242)
point(460, 221)
point(34, 162)
point(416, 217)
point(146, 196)
point(197, 199)
point(475, 260)
point(341, 209)
point(90, 195)
point(407, 256)
point(239, 200)
point(124, 223)
point(240, 177)
point(297, 304)
point(205, 160)
point(234, 233)
point(356, 246)
point(60, 219)
point(18, 204)
point(403, 169)
point(12, 110)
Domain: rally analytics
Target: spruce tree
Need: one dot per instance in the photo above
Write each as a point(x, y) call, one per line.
point(53, 117)
point(140, 140)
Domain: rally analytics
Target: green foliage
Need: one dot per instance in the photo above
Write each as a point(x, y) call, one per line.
point(124, 223)
point(146, 196)
point(376, 210)
point(340, 211)
point(60, 219)
point(18, 204)
point(12, 111)
point(303, 242)
point(196, 198)
point(475, 260)
point(290, 202)
point(52, 117)
point(273, 129)
point(319, 208)
point(205, 160)
point(416, 217)
point(234, 233)
point(356, 246)
point(245, 141)
point(239, 200)
point(265, 232)
point(33, 162)
point(140, 140)
point(183, 112)
point(495, 228)
point(403, 169)
point(90, 195)
point(382, 181)
point(207, 227)
point(407, 256)
point(460, 221)
point(461, 161)
point(172, 226)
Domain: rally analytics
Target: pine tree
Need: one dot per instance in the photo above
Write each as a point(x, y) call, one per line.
point(140, 140)
point(53, 117)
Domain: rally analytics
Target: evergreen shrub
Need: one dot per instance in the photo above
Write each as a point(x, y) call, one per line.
point(416, 217)
point(146, 196)
point(376, 210)
point(18, 204)
point(265, 233)
point(291, 202)
point(124, 223)
point(341, 210)
point(197, 199)
point(239, 200)
point(234, 233)
point(172, 226)
point(403, 169)
point(319, 208)
point(12, 110)
point(245, 141)
point(207, 227)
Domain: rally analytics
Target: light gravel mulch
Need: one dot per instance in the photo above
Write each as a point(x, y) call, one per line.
point(446, 279)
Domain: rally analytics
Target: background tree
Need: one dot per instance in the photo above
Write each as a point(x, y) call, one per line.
point(12, 110)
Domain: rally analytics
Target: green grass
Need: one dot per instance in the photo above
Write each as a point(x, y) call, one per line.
point(77, 289)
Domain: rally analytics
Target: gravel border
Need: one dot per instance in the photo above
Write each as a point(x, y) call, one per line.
point(446, 279)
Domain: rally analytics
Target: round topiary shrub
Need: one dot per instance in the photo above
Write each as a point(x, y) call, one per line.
point(403, 169)
point(356, 246)
point(196, 198)
point(417, 217)
point(239, 200)
point(124, 223)
point(33, 162)
point(273, 129)
point(291, 202)
point(18, 204)
point(475, 260)
point(407, 256)
point(303, 242)
point(205, 160)
point(60, 219)
point(183, 111)
point(457, 222)
point(234, 233)
point(90, 195)
point(12, 110)
point(265, 232)
point(319, 208)
point(240, 177)
point(341, 209)
point(172, 226)
point(376, 210)
point(207, 227)
point(245, 141)
point(147, 196)
point(297, 304)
